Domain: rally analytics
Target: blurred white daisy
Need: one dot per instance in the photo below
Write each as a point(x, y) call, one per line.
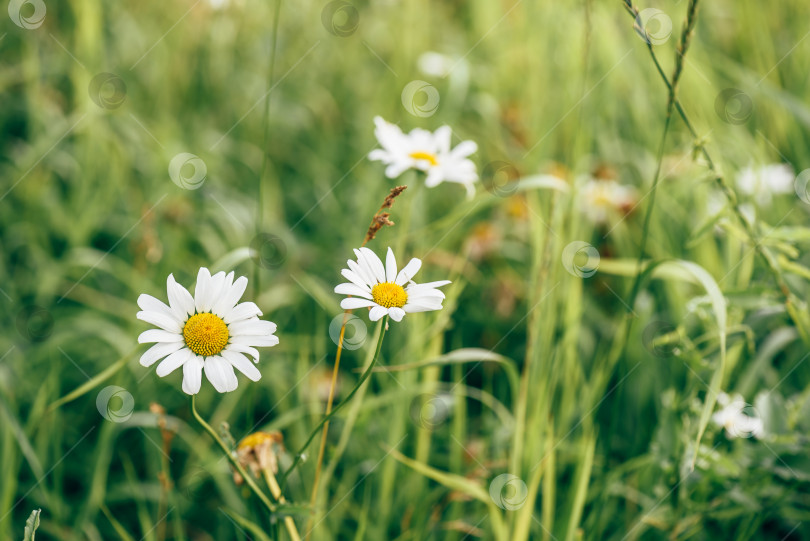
point(425, 151)
point(208, 332)
point(733, 417)
point(435, 64)
point(602, 198)
point(386, 291)
point(764, 181)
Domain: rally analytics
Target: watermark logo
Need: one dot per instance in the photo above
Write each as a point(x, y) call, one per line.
point(355, 334)
point(28, 14)
point(107, 90)
point(187, 171)
point(733, 106)
point(268, 251)
point(580, 259)
point(431, 411)
point(508, 491)
point(420, 98)
point(340, 18)
point(653, 26)
point(115, 404)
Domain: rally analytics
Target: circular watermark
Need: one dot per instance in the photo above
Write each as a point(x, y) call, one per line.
point(744, 423)
point(115, 404)
point(500, 178)
point(580, 259)
point(430, 411)
point(508, 491)
point(653, 26)
point(420, 98)
point(340, 18)
point(733, 106)
point(268, 251)
point(355, 334)
point(194, 481)
point(107, 90)
point(656, 338)
point(28, 14)
point(34, 323)
point(802, 186)
point(187, 171)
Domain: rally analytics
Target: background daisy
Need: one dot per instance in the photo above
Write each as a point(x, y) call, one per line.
point(425, 151)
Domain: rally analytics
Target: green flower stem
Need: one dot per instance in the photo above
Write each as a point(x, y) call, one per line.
point(298, 456)
point(234, 462)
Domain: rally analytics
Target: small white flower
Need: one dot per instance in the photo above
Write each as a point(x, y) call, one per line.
point(601, 198)
point(207, 332)
point(733, 418)
point(425, 151)
point(435, 64)
point(386, 291)
point(762, 182)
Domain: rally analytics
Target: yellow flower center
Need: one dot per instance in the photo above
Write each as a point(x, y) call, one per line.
point(205, 334)
point(389, 295)
point(259, 438)
point(427, 156)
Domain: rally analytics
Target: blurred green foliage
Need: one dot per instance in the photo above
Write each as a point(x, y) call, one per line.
point(99, 97)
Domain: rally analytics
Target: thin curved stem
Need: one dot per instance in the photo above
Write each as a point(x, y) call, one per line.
point(326, 418)
point(234, 462)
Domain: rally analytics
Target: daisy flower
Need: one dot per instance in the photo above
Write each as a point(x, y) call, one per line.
point(600, 198)
point(386, 291)
point(209, 332)
point(425, 151)
point(761, 183)
point(733, 418)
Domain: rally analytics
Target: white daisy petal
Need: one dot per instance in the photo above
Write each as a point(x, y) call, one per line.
point(357, 274)
point(354, 302)
point(148, 303)
point(408, 272)
point(158, 335)
point(158, 351)
point(252, 327)
point(417, 307)
point(377, 312)
point(173, 362)
point(201, 288)
point(255, 341)
point(396, 313)
point(442, 138)
point(440, 283)
point(242, 311)
point(396, 169)
point(390, 266)
point(214, 291)
point(241, 363)
point(464, 149)
point(192, 374)
point(434, 178)
point(220, 373)
point(371, 264)
point(253, 352)
point(180, 299)
point(166, 322)
point(231, 297)
point(353, 289)
point(374, 263)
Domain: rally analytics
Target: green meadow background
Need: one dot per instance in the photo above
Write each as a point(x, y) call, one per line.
point(590, 406)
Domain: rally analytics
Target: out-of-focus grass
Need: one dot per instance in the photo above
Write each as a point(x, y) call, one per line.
point(90, 219)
